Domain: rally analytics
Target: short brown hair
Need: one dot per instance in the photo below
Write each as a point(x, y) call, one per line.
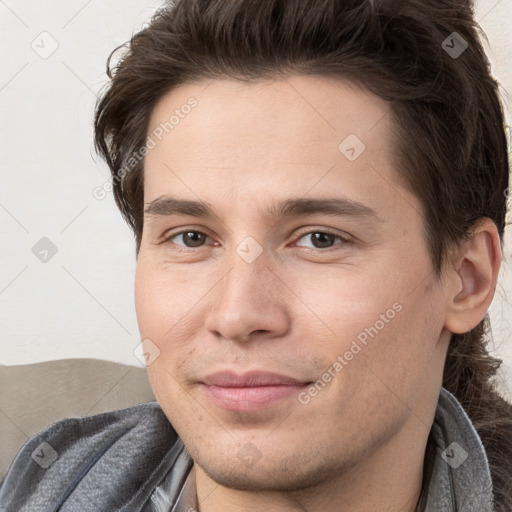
point(451, 147)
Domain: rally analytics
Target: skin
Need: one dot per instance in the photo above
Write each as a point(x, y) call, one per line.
point(299, 305)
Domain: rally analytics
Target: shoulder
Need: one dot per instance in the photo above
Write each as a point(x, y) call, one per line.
point(110, 454)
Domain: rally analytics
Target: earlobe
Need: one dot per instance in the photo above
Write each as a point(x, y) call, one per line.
point(474, 276)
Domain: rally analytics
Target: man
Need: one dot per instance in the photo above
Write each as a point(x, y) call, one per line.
point(316, 189)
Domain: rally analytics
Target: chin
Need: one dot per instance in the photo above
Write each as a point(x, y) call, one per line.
point(280, 474)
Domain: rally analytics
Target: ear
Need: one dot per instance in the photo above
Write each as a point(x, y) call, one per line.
point(472, 276)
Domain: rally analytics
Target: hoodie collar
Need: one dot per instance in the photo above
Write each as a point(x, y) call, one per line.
point(457, 475)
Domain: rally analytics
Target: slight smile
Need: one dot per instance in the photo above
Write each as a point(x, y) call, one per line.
point(250, 391)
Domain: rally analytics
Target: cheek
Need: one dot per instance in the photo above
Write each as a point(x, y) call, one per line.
point(167, 306)
point(399, 342)
point(162, 299)
point(390, 321)
point(348, 303)
point(159, 306)
point(148, 304)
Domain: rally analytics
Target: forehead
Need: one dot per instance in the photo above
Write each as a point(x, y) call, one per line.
point(297, 108)
point(280, 137)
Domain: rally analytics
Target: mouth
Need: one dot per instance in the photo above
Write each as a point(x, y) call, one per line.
point(250, 391)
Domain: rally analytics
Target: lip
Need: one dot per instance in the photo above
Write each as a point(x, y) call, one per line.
point(254, 378)
point(249, 391)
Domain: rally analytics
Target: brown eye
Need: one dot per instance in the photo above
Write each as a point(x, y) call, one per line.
point(189, 238)
point(321, 239)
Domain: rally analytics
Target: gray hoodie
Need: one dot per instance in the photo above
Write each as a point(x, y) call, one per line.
point(132, 460)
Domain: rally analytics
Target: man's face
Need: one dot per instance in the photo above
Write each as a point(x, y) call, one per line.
point(289, 345)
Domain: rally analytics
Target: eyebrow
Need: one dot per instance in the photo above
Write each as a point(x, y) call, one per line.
point(333, 206)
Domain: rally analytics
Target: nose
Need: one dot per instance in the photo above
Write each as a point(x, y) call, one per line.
point(248, 303)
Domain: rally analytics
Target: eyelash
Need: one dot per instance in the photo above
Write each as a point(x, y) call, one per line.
point(344, 241)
